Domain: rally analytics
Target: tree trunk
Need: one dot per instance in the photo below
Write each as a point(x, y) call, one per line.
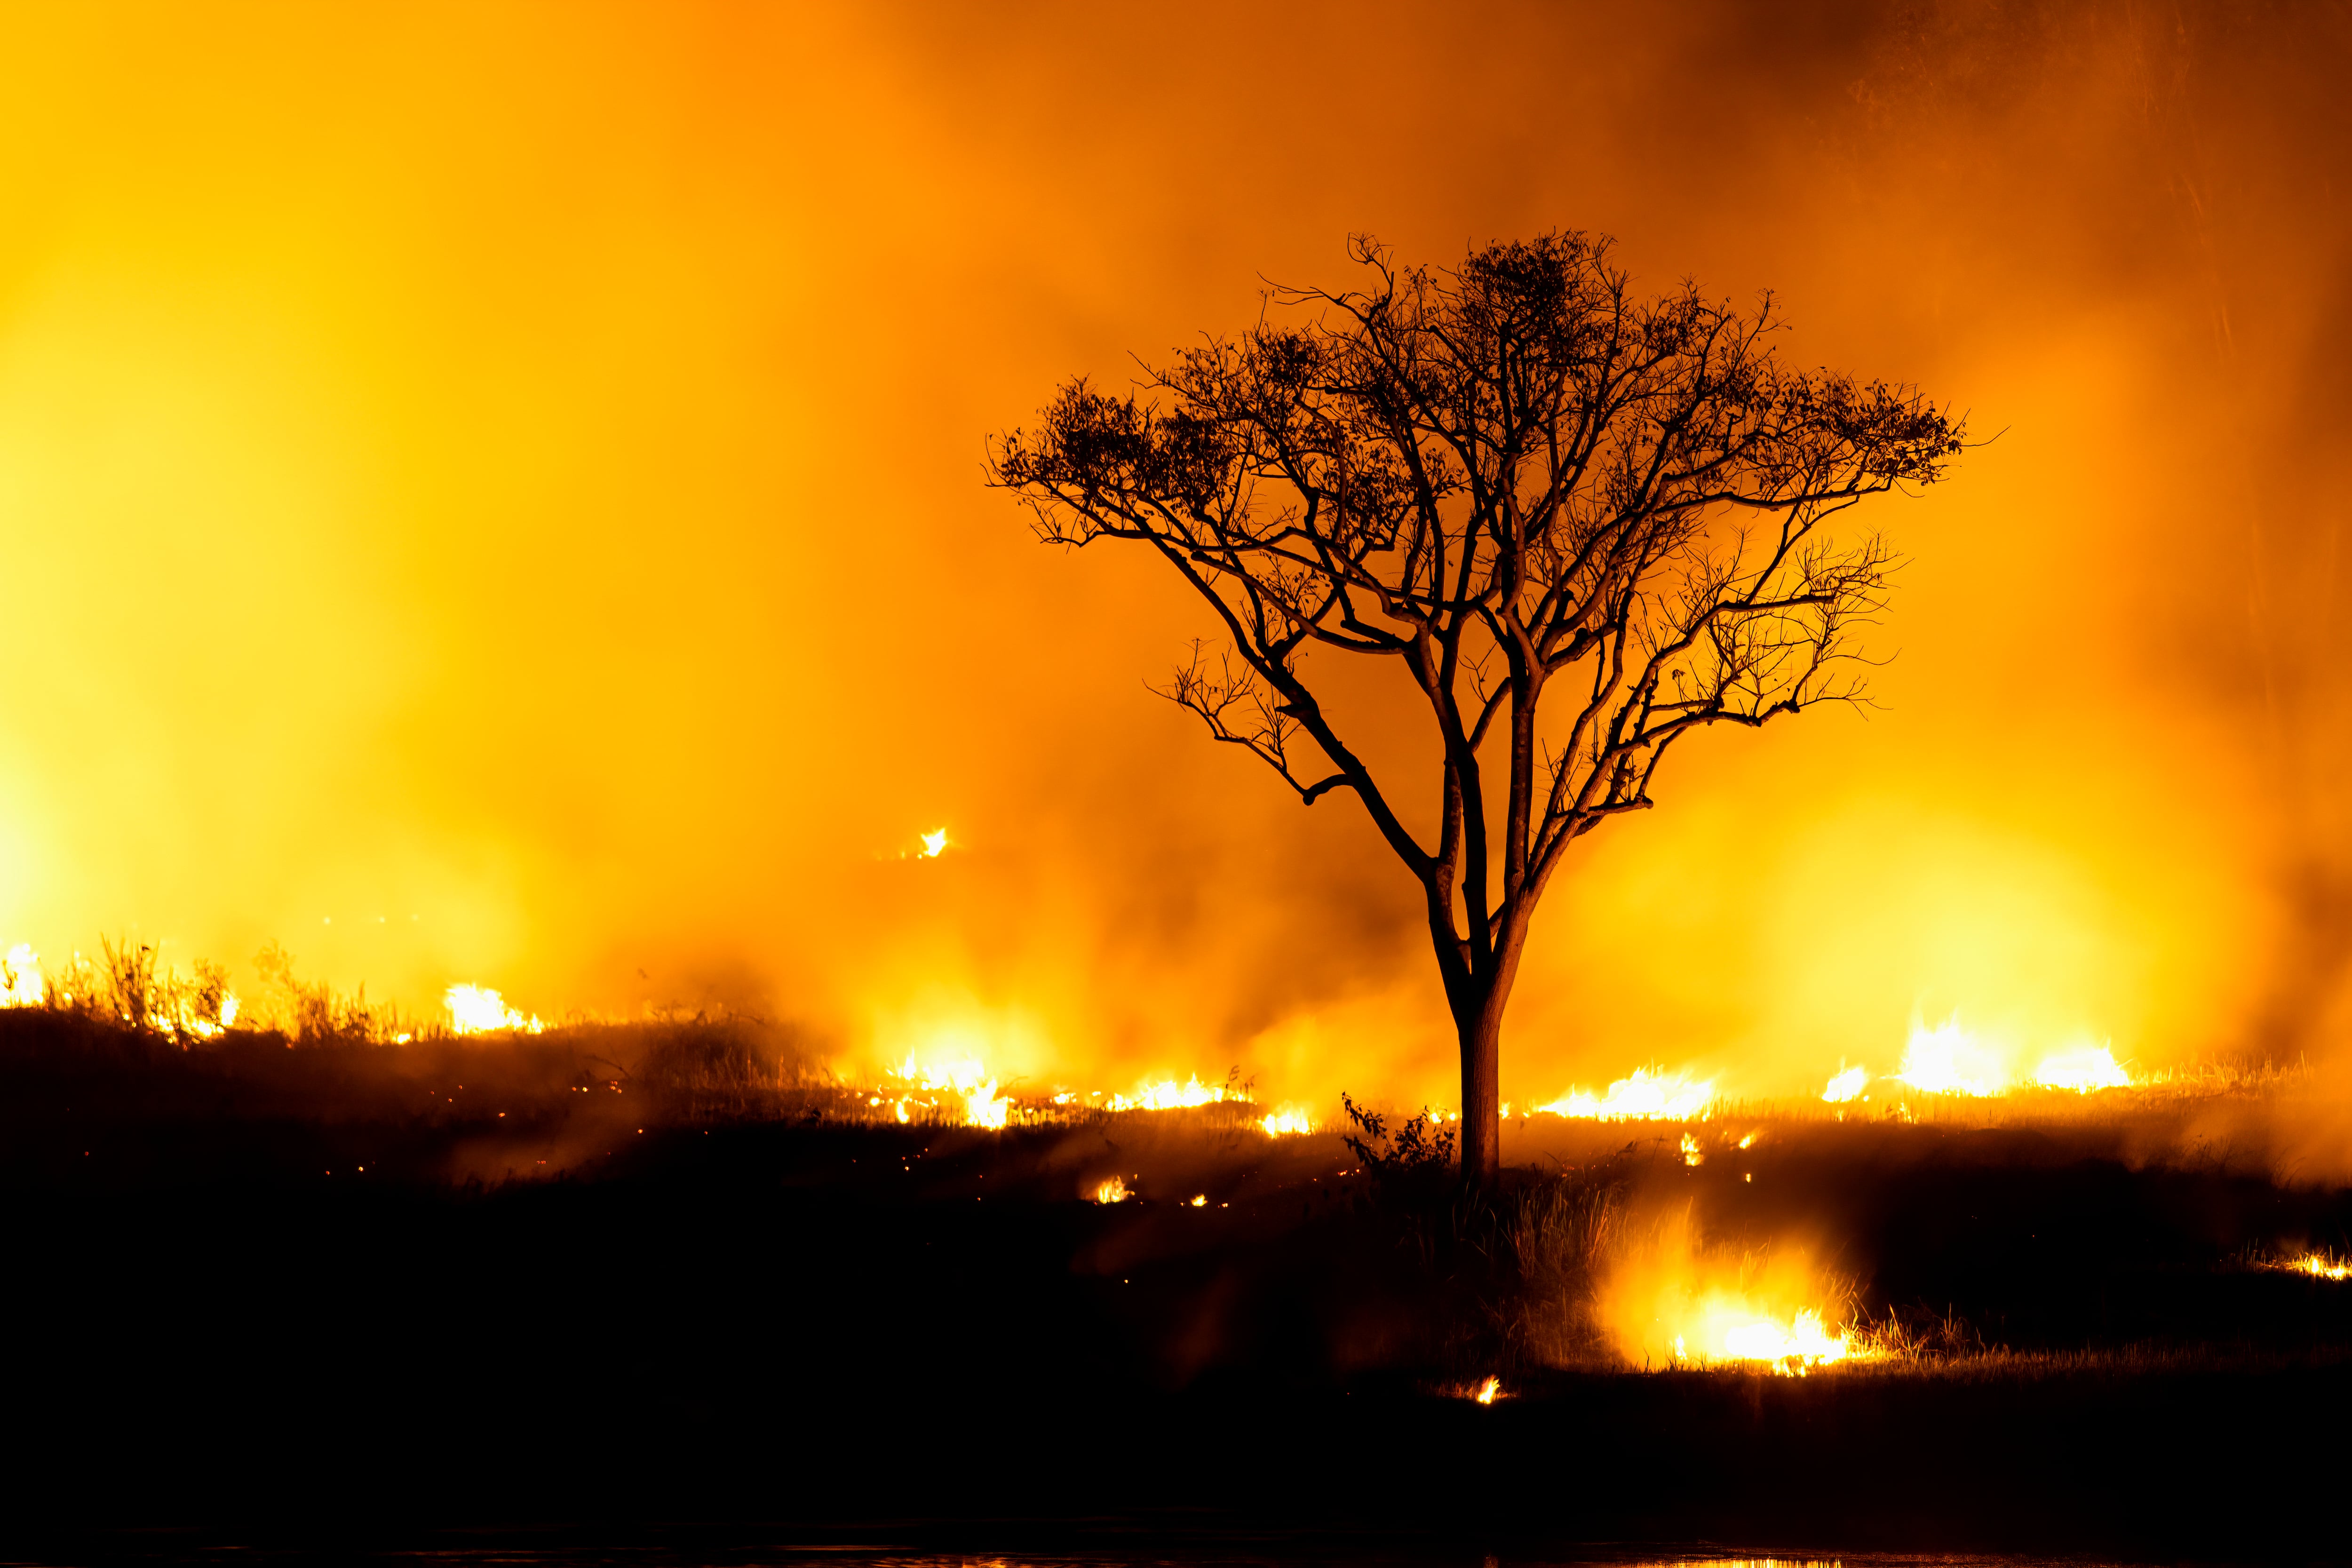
point(1481, 1033)
point(1478, 1024)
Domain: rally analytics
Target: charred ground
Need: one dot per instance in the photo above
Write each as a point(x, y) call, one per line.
point(647, 1273)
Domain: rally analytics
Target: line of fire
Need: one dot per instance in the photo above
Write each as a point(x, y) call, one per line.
point(894, 784)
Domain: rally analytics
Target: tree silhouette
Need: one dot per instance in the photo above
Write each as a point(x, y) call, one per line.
point(1510, 479)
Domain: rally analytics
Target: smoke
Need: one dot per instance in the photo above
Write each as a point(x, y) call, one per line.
point(498, 497)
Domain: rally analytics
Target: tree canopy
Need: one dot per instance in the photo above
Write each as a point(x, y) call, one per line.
point(1509, 477)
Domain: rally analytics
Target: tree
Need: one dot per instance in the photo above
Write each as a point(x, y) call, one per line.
point(1508, 478)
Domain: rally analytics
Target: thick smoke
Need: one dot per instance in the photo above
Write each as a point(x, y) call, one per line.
point(500, 498)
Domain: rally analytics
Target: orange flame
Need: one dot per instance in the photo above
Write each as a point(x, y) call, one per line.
point(20, 977)
point(1666, 1302)
point(1650, 1094)
point(478, 1010)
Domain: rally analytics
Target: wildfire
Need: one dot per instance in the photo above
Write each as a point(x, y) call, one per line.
point(1796, 1347)
point(1951, 1059)
point(184, 1018)
point(2320, 1266)
point(1724, 1327)
point(2082, 1069)
point(966, 1080)
point(948, 1065)
point(1170, 1095)
point(1691, 1154)
point(1487, 1391)
point(1665, 1298)
point(1846, 1085)
point(935, 844)
point(1948, 1059)
point(20, 977)
point(131, 991)
point(478, 1010)
point(1652, 1094)
point(1113, 1191)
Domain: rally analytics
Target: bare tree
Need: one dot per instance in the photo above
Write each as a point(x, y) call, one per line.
point(1509, 477)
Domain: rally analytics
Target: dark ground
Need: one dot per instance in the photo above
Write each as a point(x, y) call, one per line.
point(774, 1328)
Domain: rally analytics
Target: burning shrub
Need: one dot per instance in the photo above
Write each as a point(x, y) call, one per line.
point(128, 987)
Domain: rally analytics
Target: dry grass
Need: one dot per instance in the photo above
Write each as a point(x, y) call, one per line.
point(1559, 1233)
point(2162, 1093)
point(707, 1065)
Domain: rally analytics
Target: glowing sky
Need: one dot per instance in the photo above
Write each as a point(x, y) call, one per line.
point(494, 493)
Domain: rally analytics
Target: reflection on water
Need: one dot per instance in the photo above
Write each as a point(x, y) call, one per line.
point(1192, 1553)
point(1213, 1557)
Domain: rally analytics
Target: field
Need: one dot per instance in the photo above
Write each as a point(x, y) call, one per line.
point(622, 1277)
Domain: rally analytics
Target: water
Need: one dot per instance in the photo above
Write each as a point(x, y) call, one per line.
point(692, 1551)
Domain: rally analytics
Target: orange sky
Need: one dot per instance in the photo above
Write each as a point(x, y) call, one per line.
point(495, 494)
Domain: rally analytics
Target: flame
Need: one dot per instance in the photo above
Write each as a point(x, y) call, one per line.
point(1803, 1343)
point(1665, 1301)
point(1286, 1121)
point(1691, 1156)
point(966, 1078)
point(20, 977)
point(945, 1060)
point(1170, 1095)
point(935, 844)
point(1113, 1191)
point(1652, 1094)
point(1487, 1391)
point(1949, 1059)
point(1846, 1084)
point(1725, 1328)
point(2082, 1069)
point(186, 1021)
point(2322, 1266)
point(478, 1010)
point(203, 1009)
point(1952, 1059)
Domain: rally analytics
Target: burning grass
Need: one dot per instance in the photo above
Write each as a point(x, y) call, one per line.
point(573, 1224)
point(1663, 1297)
point(1801, 1239)
point(1900, 1266)
point(1947, 1075)
point(2322, 1263)
point(724, 1066)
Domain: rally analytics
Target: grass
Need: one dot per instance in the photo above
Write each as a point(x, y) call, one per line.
point(1935, 1240)
point(321, 1250)
point(671, 1261)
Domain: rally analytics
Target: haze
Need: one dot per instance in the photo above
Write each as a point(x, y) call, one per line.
point(496, 495)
